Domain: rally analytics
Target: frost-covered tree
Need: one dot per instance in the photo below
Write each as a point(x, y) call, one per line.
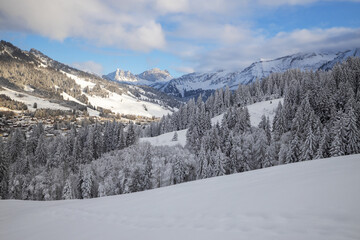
point(353, 133)
point(130, 135)
point(175, 137)
point(41, 151)
point(67, 190)
point(308, 148)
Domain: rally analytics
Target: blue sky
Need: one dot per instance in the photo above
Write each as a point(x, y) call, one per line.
point(178, 35)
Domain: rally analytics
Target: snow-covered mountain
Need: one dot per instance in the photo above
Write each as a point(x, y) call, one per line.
point(150, 77)
point(50, 80)
point(307, 200)
point(195, 83)
point(121, 76)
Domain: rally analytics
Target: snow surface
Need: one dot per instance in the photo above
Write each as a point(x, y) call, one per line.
point(256, 110)
point(80, 81)
point(28, 88)
point(126, 104)
point(268, 108)
point(29, 100)
point(313, 200)
point(67, 97)
point(166, 139)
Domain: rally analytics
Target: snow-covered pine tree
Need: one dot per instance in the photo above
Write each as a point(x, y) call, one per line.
point(4, 171)
point(175, 137)
point(16, 145)
point(148, 167)
point(67, 190)
point(353, 133)
point(136, 181)
point(219, 160)
point(308, 148)
point(86, 182)
point(88, 151)
point(324, 145)
point(339, 133)
point(41, 152)
point(130, 135)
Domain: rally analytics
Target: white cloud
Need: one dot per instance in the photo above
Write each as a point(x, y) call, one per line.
point(89, 66)
point(184, 69)
point(112, 23)
point(297, 2)
point(207, 34)
point(172, 6)
point(244, 52)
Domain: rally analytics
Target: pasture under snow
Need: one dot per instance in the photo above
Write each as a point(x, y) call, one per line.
point(126, 104)
point(256, 110)
point(308, 200)
point(29, 100)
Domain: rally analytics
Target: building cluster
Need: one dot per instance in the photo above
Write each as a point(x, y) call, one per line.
point(55, 125)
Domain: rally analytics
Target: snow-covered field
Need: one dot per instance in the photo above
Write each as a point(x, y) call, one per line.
point(316, 200)
point(256, 110)
point(125, 104)
point(268, 108)
point(166, 139)
point(29, 100)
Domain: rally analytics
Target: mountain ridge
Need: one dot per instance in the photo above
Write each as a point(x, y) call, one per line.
point(192, 84)
point(148, 77)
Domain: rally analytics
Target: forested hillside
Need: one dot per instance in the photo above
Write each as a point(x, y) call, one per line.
point(319, 118)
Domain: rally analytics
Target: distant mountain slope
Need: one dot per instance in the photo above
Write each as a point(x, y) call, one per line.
point(314, 200)
point(195, 83)
point(341, 57)
point(50, 79)
point(149, 77)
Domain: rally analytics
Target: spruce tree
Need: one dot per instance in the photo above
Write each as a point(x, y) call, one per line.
point(175, 137)
point(353, 133)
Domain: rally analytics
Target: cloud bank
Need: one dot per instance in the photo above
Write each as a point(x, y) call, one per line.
point(89, 66)
point(206, 34)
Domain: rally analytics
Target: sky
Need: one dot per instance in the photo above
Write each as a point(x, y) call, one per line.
point(181, 36)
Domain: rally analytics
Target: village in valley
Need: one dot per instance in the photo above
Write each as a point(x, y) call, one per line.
point(60, 122)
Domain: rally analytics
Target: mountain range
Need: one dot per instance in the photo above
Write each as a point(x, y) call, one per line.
point(155, 91)
point(151, 77)
point(192, 84)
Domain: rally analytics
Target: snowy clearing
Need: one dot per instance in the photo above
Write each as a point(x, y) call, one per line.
point(29, 100)
point(256, 110)
point(309, 200)
point(268, 108)
point(127, 105)
point(166, 139)
point(80, 81)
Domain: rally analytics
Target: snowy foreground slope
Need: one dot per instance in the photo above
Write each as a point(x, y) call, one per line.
point(256, 110)
point(309, 200)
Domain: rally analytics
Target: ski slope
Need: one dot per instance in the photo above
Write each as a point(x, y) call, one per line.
point(256, 110)
point(313, 200)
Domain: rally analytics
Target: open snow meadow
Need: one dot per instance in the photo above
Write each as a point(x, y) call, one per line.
point(309, 200)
